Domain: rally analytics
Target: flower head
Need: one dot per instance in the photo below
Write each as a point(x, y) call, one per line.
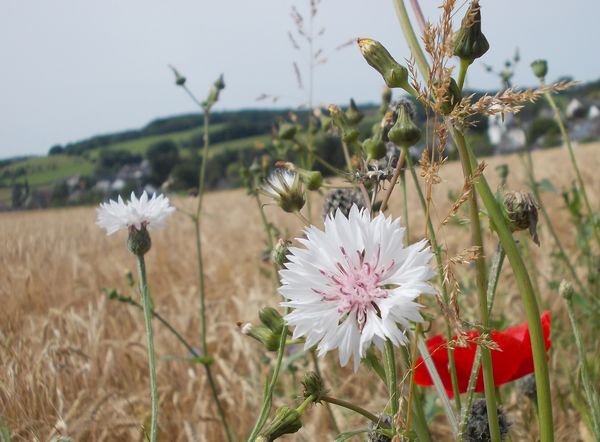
point(137, 213)
point(284, 186)
point(354, 284)
point(512, 360)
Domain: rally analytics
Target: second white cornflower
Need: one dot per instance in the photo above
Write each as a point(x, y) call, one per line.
point(354, 284)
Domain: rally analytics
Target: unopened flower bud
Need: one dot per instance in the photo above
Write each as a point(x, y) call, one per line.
point(566, 290)
point(374, 146)
point(262, 334)
point(220, 83)
point(522, 213)
point(313, 386)
point(279, 252)
point(404, 132)
point(287, 131)
point(271, 318)
point(393, 73)
point(179, 79)
point(286, 421)
point(540, 68)
point(139, 241)
point(353, 114)
point(478, 429)
point(312, 178)
point(349, 133)
point(470, 43)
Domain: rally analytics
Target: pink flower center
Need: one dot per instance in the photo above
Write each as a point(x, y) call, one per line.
point(357, 286)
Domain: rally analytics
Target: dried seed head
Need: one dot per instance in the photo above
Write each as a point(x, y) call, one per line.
point(470, 43)
point(373, 435)
point(393, 73)
point(477, 423)
point(285, 188)
point(540, 68)
point(566, 290)
point(342, 199)
point(522, 213)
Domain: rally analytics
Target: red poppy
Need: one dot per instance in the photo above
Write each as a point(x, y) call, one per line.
point(514, 361)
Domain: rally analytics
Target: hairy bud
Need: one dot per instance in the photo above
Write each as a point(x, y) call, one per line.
point(470, 43)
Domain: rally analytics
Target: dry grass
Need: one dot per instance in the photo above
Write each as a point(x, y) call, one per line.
point(74, 363)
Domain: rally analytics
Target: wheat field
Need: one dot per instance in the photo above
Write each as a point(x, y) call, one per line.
point(73, 362)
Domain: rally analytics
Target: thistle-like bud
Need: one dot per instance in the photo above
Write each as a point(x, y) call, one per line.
point(522, 213)
point(404, 132)
point(262, 334)
point(451, 98)
point(287, 131)
point(272, 319)
point(286, 421)
point(378, 57)
point(312, 178)
point(342, 199)
point(566, 290)
point(279, 252)
point(179, 79)
point(138, 241)
point(470, 43)
point(285, 188)
point(213, 94)
point(313, 386)
point(219, 83)
point(478, 429)
point(353, 113)
point(540, 68)
point(339, 119)
point(374, 146)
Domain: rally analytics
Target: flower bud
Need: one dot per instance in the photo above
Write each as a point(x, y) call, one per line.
point(374, 146)
point(271, 318)
point(566, 290)
point(404, 132)
point(451, 98)
point(349, 133)
point(286, 421)
point(312, 178)
point(287, 131)
point(179, 79)
point(478, 426)
point(378, 57)
point(138, 241)
point(313, 386)
point(262, 334)
point(219, 83)
point(522, 213)
point(540, 68)
point(353, 114)
point(470, 43)
point(279, 252)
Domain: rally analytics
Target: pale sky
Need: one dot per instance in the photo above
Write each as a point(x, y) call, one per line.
point(73, 68)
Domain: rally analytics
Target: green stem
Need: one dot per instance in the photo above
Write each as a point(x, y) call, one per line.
point(440, 267)
point(411, 38)
point(141, 265)
point(588, 385)
point(353, 407)
point(567, 140)
point(481, 279)
point(315, 360)
point(391, 376)
point(464, 67)
point(405, 204)
point(268, 396)
point(527, 295)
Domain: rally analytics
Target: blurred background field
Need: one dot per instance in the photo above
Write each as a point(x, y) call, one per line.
point(74, 362)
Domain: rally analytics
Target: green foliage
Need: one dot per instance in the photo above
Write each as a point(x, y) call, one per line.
point(542, 126)
point(110, 161)
point(163, 157)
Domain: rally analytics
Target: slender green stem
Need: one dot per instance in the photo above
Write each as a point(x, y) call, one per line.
point(391, 376)
point(464, 67)
point(405, 204)
point(481, 279)
point(315, 360)
point(141, 265)
point(588, 384)
point(440, 267)
point(268, 396)
point(580, 182)
point(411, 38)
point(527, 295)
point(347, 156)
point(353, 407)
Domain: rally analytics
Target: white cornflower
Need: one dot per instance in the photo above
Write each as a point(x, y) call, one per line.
point(285, 188)
point(354, 284)
point(137, 213)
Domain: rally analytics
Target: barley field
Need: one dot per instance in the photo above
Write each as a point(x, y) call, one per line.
point(74, 363)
